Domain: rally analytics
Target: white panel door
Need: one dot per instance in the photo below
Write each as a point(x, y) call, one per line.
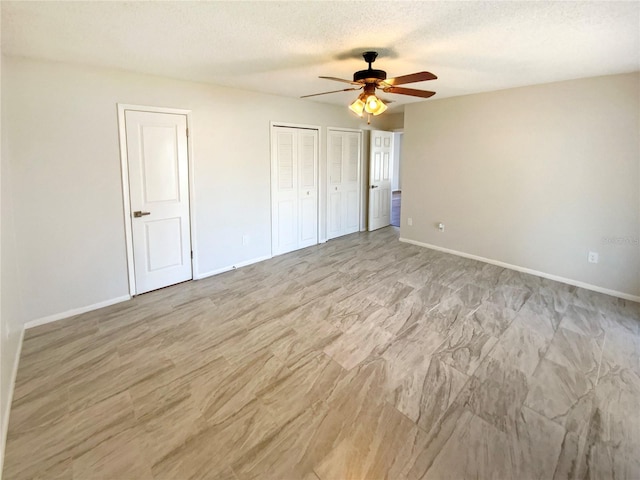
point(343, 194)
point(159, 192)
point(308, 188)
point(284, 178)
point(294, 189)
point(381, 152)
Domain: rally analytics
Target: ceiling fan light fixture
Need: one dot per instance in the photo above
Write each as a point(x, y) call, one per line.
point(374, 105)
point(357, 107)
point(380, 109)
point(371, 79)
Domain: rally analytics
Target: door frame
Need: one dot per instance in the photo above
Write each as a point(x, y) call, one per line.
point(322, 236)
point(361, 183)
point(126, 199)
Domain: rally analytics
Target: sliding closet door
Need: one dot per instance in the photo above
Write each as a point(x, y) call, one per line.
point(294, 189)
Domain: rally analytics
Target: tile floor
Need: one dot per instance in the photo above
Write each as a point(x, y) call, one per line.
point(363, 358)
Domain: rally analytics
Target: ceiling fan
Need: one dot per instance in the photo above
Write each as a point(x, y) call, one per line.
point(370, 79)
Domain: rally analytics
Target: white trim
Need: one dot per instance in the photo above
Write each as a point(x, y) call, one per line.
point(126, 201)
point(568, 281)
point(124, 167)
point(341, 129)
point(294, 125)
point(7, 409)
point(76, 311)
point(232, 267)
point(192, 196)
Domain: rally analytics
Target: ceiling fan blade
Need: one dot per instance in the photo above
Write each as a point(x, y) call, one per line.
point(409, 91)
point(411, 78)
point(333, 91)
point(342, 80)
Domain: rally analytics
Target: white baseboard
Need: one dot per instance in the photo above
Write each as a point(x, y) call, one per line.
point(575, 283)
point(75, 311)
point(200, 276)
point(7, 409)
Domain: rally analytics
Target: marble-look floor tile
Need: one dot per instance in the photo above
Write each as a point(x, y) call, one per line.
point(520, 347)
point(534, 445)
point(70, 437)
point(288, 451)
point(590, 323)
point(561, 394)
point(88, 391)
point(429, 445)
point(540, 323)
point(363, 357)
point(576, 352)
point(239, 385)
point(408, 351)
point(428, 392)
point(309, 382)
point(607, 443)
point(374, 441)
point(211, 450)
point(550, 307)
point(117, 457)
point(466, 347)
point(475, 449)
point(472, 295)
point(493, 318)
point(355, 345)
point(509, 297)
point(496, 393)
point(388, 292)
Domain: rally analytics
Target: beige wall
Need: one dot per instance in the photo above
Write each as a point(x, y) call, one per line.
point(391, 121)
point(11, 312)
point(67, 192)
point(535, 177)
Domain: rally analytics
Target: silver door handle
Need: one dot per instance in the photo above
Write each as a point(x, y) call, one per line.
point(140, 214)
point(374, 186)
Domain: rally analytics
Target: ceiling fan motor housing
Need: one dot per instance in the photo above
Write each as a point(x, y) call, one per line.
point(370, 75)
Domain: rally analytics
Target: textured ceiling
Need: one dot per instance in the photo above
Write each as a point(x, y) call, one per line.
point(282, 47)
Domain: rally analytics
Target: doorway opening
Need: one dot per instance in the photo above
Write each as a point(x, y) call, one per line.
point(396, 186)
point(396, 204)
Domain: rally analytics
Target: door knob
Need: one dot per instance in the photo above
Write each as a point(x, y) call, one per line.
point(140, 214)
point(374, 186)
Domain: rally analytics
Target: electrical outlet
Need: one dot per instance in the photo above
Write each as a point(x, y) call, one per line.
point(593, 257)
point(245, 239)
point(410, 221)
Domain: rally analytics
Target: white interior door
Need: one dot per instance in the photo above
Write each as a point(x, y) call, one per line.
point(308, 188)
point(294, 189)
point(158, 168)
point(343, 193)
point(380, 161)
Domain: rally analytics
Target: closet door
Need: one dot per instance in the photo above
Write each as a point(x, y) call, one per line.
point(294, 189)
point(343, 192)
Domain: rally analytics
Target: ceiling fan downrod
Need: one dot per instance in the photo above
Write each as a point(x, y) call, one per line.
point(370, 75)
